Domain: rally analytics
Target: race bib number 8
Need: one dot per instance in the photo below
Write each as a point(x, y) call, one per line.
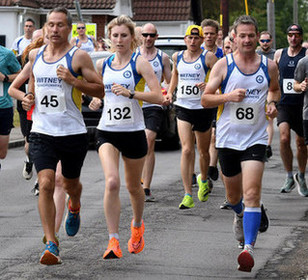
point(51, 102)
point(244, 113)
point(1, 88)
point(288, 86)
point(188, 91)
point(119, 114)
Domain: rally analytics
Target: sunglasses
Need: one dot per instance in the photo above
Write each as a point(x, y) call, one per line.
point(152, 35)
point(81, 27)
point(297, 35)
point(265, 40)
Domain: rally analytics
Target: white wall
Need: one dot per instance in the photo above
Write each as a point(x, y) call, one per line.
point(169, 27)
point(11, 27)
point(9, 23)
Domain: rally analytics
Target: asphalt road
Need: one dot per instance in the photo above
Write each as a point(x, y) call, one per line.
point(180, 244)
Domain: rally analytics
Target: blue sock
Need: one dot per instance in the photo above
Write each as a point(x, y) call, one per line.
point(237, 208)
point(251, 224)
point(290, 174)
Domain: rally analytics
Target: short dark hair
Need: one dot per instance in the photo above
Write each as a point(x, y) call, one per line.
point(266, 32)
point(245, 19)
point(30, 19)
point(210, 22)
point(64, 11)
point(295, 27)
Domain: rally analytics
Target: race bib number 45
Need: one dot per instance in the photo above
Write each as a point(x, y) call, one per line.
point(51, 102)
point(119, 114)
point(244, 113)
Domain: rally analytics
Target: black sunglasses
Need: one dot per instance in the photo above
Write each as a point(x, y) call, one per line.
point(81, 27)
point(152, 35)
point(265, 40)
point(297, 35)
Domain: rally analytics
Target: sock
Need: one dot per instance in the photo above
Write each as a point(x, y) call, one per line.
point(115, 235)
point(290, 174)
point(204, 181)
point(137, 224)
point(251, 224)
point(188, 194)
point(238, 208)
point(302, 175)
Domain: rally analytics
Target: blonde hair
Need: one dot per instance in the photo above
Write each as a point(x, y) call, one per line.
point(123, 20)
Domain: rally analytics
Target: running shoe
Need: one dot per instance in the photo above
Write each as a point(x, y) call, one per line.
point(148, 196)
point(27, 170)
point(210, 184)
point(269, 152)
point(213, 172)
point(50, 256)
point(72, 221)
point(301, 185)
point(225, 205)
point(288, 186)
point(44, 240)
point(113, 250)
point(36, 190)
point(264, 223)
point(203, 192)
point(245, 259)
point(187, 202)
point(238, 227)
point(136, 242)
point(194, 179)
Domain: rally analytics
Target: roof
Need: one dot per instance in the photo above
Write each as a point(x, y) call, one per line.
point(21, 3)
point(84, 4)
point(161, 10)
point(69, 4)
point(167, 10)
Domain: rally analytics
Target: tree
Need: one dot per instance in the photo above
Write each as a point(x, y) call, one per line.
point(283, 14)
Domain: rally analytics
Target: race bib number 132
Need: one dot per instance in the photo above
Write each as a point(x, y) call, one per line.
point(119, 114)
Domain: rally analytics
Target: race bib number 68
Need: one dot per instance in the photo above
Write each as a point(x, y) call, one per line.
point(244, 113)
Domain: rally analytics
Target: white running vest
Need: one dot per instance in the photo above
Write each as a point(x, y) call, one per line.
point(241, 125)
point(157, 65)
point(57, 110)
point(189, 74)
point(87, 46)
point(121, 113)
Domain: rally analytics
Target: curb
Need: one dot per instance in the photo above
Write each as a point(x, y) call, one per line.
point(16, 143)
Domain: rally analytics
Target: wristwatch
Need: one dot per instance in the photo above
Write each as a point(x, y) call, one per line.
point(131, 94)
point(273, 101)
point(6, 78)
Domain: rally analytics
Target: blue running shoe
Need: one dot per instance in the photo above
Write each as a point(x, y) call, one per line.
point(72, 221)
point(50, 256)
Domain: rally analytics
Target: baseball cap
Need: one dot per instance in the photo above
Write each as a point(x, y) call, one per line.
point(295, 27)
point(191, 30)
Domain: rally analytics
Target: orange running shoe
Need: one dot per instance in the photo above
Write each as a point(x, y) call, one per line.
point(113, 250)
point(136, 242)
